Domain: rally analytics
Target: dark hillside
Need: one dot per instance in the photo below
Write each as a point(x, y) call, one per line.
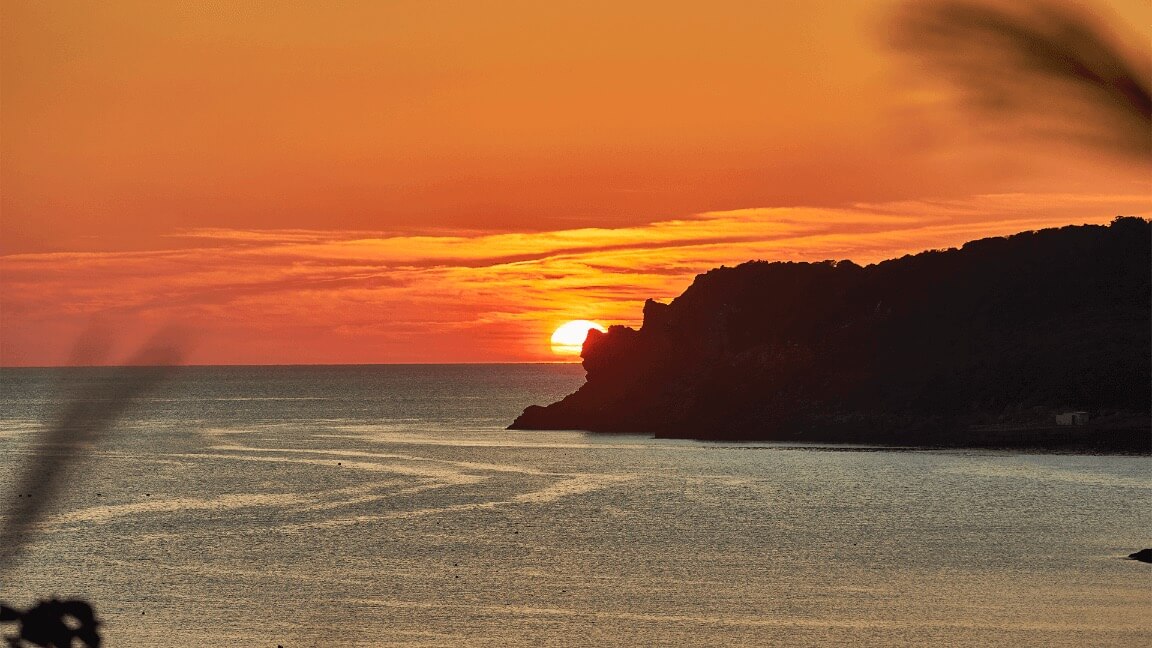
point(982, 345)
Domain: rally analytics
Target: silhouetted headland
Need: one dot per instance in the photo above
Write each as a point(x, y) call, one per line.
point(1038, 340)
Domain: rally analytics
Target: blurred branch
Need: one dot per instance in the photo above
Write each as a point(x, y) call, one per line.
point(1036, 61)
point(85, 419)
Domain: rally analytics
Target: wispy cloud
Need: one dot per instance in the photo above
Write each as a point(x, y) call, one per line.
point(337, 296)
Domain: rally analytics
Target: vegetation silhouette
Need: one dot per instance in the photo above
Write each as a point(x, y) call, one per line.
point(85, 420)
point(1042, 65)
point(53, 624)
point(978, 346)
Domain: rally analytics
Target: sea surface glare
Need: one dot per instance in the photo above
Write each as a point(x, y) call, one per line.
point(386, 505)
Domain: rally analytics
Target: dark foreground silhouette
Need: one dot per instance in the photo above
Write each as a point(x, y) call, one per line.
point(1038, 340)
point(52, 624)
point(86, 418)
point(1040, 68)
point(1144, 555)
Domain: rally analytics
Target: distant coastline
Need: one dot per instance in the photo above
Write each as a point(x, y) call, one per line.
point(1040, 340)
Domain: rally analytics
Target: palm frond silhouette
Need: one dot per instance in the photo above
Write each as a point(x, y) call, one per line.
point(1049, 65)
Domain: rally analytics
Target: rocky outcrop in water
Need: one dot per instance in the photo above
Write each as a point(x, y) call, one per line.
point(982, 345)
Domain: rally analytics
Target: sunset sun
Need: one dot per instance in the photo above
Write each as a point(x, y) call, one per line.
point(569, 338)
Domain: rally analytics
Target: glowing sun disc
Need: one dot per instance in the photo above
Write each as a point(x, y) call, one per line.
point(569, 338)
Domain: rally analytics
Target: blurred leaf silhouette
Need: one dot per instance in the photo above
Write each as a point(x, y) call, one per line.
point(53, 624)
point(1041, 65)
point(85, 419)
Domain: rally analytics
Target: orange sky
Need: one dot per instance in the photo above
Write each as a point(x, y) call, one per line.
point(449, 181)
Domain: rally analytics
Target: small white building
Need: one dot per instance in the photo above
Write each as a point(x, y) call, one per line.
point(1072, 418)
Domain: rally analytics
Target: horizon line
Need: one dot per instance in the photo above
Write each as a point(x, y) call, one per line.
point(295, 364)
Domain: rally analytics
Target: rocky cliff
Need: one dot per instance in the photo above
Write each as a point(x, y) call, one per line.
point(981, 345)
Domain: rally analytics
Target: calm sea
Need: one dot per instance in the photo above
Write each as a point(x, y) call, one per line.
point(385, 505)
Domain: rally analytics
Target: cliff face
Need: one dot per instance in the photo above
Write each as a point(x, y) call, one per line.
point(1002, 333)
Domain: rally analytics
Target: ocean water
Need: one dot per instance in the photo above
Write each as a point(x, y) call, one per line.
point(387, 506)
